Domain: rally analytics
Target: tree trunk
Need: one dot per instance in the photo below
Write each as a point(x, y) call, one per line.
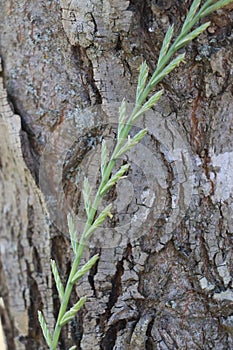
point(164, 278)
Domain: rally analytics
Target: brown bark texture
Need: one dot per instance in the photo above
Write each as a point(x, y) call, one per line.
point(164, 277)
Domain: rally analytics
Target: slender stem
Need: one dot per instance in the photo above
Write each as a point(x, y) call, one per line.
point(66, 297)
point(184, 31)
point(76, 262)
point(90, 219)
point(137, 111)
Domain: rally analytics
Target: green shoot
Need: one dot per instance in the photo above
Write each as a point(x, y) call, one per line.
point(124, 143)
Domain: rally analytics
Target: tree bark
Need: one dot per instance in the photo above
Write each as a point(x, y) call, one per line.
point(164, 277)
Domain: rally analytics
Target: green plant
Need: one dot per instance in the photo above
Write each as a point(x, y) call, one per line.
point(124, 143)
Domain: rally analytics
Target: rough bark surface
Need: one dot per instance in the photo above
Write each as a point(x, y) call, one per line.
point(164, 278)
point(25, 245)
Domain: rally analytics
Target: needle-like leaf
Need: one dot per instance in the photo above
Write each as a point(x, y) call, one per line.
point(72, 233)
point(57, 279)
point(100, 219)
point(143, 74)
point(104, 157)
point(131, 142)
point(191, 36)
point(215, 7)
point(166, 44)
point(87, 196)
point(45, 330)
point(172, 65)
point(193, 9)
point(113, 180)
point(85, 268)
point(69, 315)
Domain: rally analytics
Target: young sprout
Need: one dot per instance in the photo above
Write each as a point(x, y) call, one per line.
point(167, 62)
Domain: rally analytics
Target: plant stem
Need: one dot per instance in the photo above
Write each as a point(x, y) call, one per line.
point(161, 70)
point(66, 297)
point(83, 239)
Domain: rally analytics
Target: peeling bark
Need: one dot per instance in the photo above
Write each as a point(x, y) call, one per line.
point(164, 278)
point(25, 243)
